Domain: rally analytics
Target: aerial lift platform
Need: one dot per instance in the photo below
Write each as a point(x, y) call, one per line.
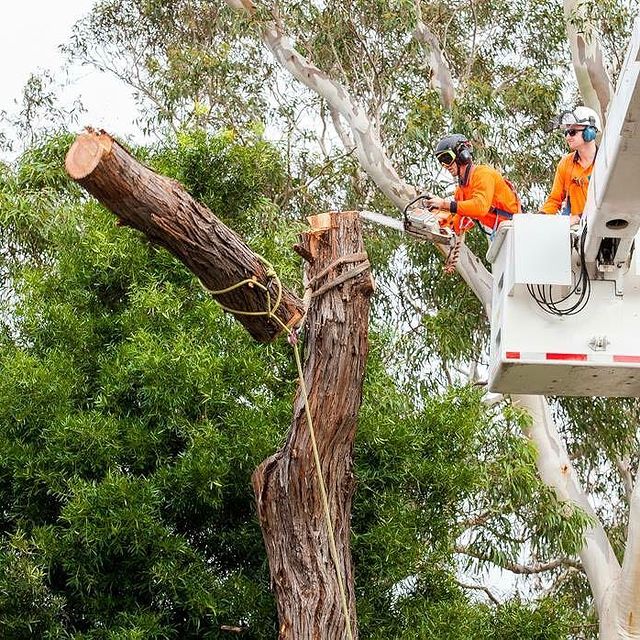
point(566, 303)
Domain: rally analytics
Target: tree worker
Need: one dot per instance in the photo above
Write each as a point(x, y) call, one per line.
point(483, 195)
point(569, 191)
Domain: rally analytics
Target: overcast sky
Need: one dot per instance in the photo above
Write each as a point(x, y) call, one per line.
point(30, 33)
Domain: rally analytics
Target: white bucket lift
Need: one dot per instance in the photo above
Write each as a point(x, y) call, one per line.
point(595, 352)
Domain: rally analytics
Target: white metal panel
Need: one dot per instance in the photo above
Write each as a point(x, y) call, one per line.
point(541, 249)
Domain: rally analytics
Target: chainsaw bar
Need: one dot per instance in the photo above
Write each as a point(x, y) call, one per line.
point(420, 224)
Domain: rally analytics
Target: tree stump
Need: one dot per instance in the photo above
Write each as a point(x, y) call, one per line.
point(286, 484)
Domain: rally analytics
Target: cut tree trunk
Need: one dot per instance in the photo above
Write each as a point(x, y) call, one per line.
point(286, 485)
point(170, 217)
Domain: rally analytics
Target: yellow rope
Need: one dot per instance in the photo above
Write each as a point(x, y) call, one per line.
point(270, 313)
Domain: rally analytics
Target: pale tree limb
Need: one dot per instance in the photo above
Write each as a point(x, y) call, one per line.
point(441, 79)
point(623, 465)
point(479, 587)
point(627, 592)
point(588, 62)
point(369, 150)
point(341, 130)
point(554, 466)
point(518, 568)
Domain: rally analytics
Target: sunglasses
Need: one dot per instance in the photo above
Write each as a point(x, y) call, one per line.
point(572, 132)
point(446, 157)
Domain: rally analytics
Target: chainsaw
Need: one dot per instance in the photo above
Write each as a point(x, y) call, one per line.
point(422, 223)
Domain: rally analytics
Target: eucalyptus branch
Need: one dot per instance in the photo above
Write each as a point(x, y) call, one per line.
point(441, 79)
point(555, 469)
point(322, 171)
point(628, 600)
point(623, 465)
point(371, 154)
point(475, 521)
point(479, 587)
point(521, 569)
point(341, 130)
point(472, 55)
point(589, 66)
point(375, 86)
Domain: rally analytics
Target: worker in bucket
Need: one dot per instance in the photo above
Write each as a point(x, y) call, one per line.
point(483, 195)
point(569, 191)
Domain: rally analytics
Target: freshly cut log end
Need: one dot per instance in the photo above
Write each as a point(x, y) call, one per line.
point(86, 152)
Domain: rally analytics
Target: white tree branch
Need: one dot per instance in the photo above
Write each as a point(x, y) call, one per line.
point(597, 555)
point(588, 62)
point(628, 591)
point(479, 587)
point(341, 130)
point(624, 469)
point(441, 79)
point(369, 149)
point(522, 569)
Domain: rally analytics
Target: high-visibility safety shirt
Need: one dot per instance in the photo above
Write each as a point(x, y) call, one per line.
point(570, 184)
point(484, 194)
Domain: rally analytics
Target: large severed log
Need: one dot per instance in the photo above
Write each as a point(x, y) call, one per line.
point(170, 217)
point(286, 484)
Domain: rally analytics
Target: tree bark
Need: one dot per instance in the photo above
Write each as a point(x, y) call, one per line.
point(170, 217)
point(286, 485)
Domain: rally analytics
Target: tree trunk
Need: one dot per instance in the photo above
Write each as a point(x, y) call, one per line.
point(286, 485)
point(170, 217)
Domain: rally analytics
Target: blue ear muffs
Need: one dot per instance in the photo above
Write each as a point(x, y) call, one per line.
point(589, 134)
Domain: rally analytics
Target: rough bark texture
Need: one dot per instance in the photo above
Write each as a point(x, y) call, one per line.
point(286, 485)
point(170, 217)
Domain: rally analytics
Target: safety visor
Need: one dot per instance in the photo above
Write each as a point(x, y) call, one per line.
point(446, 157)
point(568, 118)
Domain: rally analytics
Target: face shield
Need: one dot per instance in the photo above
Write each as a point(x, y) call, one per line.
point(580, 116)
point(568, 118)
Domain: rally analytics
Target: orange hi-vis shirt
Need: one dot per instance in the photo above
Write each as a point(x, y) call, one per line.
point(570, 183)
point(485, 190)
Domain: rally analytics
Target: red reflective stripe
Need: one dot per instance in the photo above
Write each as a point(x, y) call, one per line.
point(626, 358)
point(566, 356)
point(512, 355)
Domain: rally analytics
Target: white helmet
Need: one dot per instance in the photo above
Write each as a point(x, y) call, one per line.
point(580, 115)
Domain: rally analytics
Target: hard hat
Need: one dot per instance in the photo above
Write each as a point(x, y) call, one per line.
point(580, 115)
point(454, 147)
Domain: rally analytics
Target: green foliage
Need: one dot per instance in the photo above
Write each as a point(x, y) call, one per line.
point(240, 181)
point(428, 478)
point(192, 61)
point(133, 412)
point(28, 606)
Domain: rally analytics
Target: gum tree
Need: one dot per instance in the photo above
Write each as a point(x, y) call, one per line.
point(382, 82)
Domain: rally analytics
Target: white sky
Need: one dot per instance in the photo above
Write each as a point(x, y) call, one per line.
point(30, 33)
